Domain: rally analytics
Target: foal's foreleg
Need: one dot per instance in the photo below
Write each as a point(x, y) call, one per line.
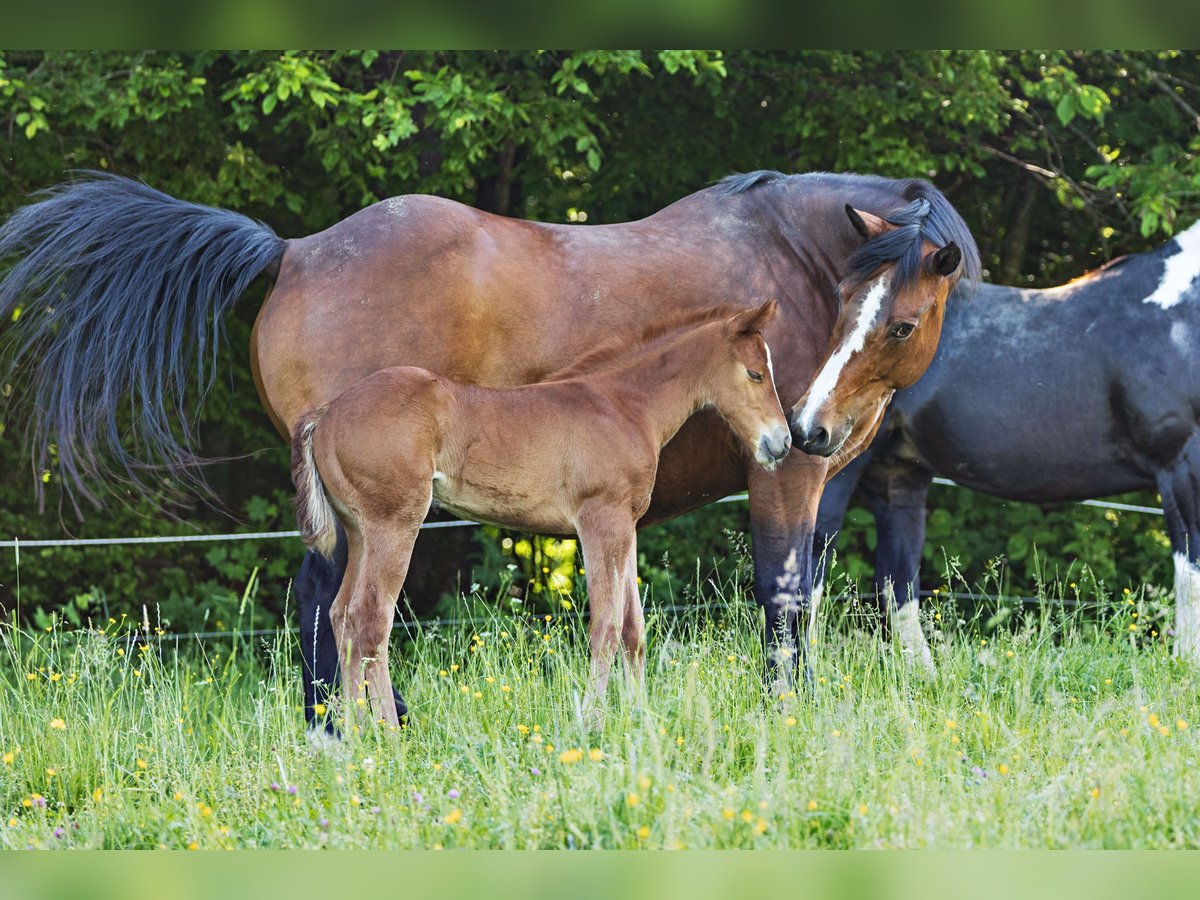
point(608, 542)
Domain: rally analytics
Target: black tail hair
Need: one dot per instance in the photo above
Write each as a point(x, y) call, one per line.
point(118, 294)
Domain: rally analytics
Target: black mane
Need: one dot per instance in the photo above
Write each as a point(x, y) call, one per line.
point(925, 216)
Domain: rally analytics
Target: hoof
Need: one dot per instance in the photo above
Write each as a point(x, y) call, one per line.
point(401, 706)
point(906, 627)
point(322, 741)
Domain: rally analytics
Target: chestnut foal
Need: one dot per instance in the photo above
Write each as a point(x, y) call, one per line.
point(576, 454)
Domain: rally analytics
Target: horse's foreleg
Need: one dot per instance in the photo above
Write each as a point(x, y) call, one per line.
point(608, 541)
point(898, 504)
point(835, 500)
point(783, 511)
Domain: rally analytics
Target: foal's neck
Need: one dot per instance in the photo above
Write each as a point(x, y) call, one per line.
point(666, 383)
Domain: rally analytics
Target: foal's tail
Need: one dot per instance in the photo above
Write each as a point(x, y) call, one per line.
point(318, 525)
point(117, 294)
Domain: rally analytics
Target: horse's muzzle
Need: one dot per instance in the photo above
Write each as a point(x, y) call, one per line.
point(817, 440)
point(773, 447)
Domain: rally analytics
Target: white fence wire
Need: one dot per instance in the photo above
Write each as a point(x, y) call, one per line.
point(17, 543)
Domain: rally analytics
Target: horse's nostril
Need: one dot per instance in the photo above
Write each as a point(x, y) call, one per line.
point(818, 440)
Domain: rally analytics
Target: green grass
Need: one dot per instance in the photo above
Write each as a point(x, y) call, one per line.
point(1053, 730)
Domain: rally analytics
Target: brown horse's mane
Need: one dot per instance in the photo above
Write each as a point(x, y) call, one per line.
point(619, 349)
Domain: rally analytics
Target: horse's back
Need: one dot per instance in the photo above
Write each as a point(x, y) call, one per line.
point(419, 280)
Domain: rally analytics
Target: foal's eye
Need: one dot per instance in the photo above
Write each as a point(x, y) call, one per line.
point(756, 377)
point(901, 330)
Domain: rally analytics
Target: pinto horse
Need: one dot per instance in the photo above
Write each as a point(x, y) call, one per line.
point(124, 289)
point(1047, 396)
point(580, 460)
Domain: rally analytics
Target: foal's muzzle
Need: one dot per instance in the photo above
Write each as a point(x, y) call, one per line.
point(773, 447)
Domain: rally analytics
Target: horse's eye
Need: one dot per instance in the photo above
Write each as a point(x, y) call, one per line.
point(756, 377)
point(901, 330)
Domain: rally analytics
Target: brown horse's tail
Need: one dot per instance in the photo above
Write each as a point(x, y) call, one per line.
point(314, 514)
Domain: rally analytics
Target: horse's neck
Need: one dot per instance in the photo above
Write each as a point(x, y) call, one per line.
point(666, 385)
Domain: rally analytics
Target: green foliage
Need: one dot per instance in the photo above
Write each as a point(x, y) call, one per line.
point(1058, 160)
point(1020, 547)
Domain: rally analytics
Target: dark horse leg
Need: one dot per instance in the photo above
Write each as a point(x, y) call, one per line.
point(896, 496)
point(315, 587)
point(783, 511)
point(835, 500)
point(1179, 485)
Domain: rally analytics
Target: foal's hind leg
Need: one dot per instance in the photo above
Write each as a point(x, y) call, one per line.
point(633, 629)
point(363, 612)
point(315, 587)
point(1179, 485)
point(385, 565)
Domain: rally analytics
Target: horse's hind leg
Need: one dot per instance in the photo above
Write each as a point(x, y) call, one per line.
point(1179, 485)
point(315, 587)
point(389, 551)
point(633, 628)
point(363, 612)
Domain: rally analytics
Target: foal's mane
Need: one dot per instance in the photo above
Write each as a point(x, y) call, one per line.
point(619, 349)
point(928, 216)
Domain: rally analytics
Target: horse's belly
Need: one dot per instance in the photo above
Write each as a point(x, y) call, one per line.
point(506, 509)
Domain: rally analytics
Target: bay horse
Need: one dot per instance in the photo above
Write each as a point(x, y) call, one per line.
point(1047, 396)
point(575, 454)
point(124, 289)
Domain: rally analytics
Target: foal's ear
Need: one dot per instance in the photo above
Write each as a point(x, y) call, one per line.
point(754, 320)
point(865, 223)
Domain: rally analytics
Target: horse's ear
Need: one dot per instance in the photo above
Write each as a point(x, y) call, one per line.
point(753, 320)
point(945, 262)
point(865, 223)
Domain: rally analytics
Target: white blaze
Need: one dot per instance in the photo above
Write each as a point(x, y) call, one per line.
point(1187, 609)
point(771, 369)
point(827, 379)
point(1179, 270)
